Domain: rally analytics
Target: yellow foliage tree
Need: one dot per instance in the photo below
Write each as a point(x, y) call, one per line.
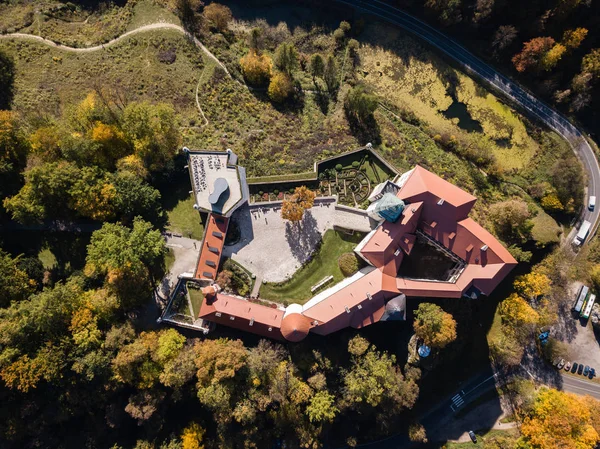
point(45, 143)
point(533, 285)
point(192, 437)
point(256, 68)
point(551, 203)
point(552, 56)
point(434, 326)
point(516, 313)
point(293, 208)
point(133, 164)
point(559, 419)
point(573, 38)
point(280, 87)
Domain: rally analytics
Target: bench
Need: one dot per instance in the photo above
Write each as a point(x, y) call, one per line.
point(321, 283)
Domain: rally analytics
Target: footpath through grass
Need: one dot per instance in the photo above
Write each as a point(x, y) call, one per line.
point(324, 263)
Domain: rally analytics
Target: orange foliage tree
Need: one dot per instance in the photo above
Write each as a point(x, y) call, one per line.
point(302, 199)
point(560, 419)
point(532, 55)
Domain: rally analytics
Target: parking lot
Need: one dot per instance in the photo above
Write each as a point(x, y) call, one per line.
point(578, 334)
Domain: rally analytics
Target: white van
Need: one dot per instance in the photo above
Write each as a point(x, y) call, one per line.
point(592, 203)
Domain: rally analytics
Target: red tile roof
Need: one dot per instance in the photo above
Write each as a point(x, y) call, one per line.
point(212, 245)
point(436, 208)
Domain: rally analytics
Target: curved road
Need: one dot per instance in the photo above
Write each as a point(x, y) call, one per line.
point(511, 89)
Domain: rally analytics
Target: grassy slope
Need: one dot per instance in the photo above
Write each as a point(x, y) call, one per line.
point(183, 219)
point(49, 79)
point(323, 264)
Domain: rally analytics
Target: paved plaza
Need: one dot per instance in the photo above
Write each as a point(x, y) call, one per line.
point(273, 248)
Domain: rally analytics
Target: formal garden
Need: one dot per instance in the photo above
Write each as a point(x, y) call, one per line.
point(351, 176)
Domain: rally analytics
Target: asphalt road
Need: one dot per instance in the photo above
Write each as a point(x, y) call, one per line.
point(580, 385)
point(534, 107)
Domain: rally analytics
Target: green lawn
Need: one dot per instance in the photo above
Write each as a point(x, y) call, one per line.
point(196, 298)
point(323, 264)
point(169, 259)
point(489, 439)
point(185, 220)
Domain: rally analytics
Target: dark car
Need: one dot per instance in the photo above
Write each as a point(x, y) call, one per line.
point(586, 370)
point(574, 367)
point(592, 373)
point(472, 436)
point(580, 369)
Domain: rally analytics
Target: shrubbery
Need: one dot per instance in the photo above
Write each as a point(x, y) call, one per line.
point(348, 264)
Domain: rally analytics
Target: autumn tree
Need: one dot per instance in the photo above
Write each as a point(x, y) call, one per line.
point(151, 130)
point(573, 38)
point(567, 178)
point(129, 260)
point(218, 16)
point(559, 419)
point(285, 58)
point(15, 284)
point(292, 209)
point(280, 87)
point(374, 382)
point(193, 437)
point(417, 433)
point(517, 314)
point(553, 56)
point(533, 54)
point(533, 285)
point(141, 362)
point(359, 104)
point(511, 220)
point(591, 63)
point(45, 193)
point(13, 152)
point(322, 407)
point(220, 367)
point(256, 68)
point(434, 326)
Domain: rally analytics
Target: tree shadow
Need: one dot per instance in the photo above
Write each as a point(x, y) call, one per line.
point(303, 237)
point(365, 132)
point(321, 99)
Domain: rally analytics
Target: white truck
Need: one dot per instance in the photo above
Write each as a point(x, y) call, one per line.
point(582, 233)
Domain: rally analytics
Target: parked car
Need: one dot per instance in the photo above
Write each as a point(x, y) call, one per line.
point(586, 370)
point(592, 373)
point(580, 369)
point(568, 366)
point(574, 368)
point(561, 364)
point(473, 436)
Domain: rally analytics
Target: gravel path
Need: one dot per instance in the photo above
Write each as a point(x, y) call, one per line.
point(142, 29)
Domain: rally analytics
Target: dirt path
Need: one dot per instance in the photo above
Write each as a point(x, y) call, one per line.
point(142, 29)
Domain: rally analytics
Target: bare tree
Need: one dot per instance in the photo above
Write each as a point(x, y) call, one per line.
point(504, 36)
